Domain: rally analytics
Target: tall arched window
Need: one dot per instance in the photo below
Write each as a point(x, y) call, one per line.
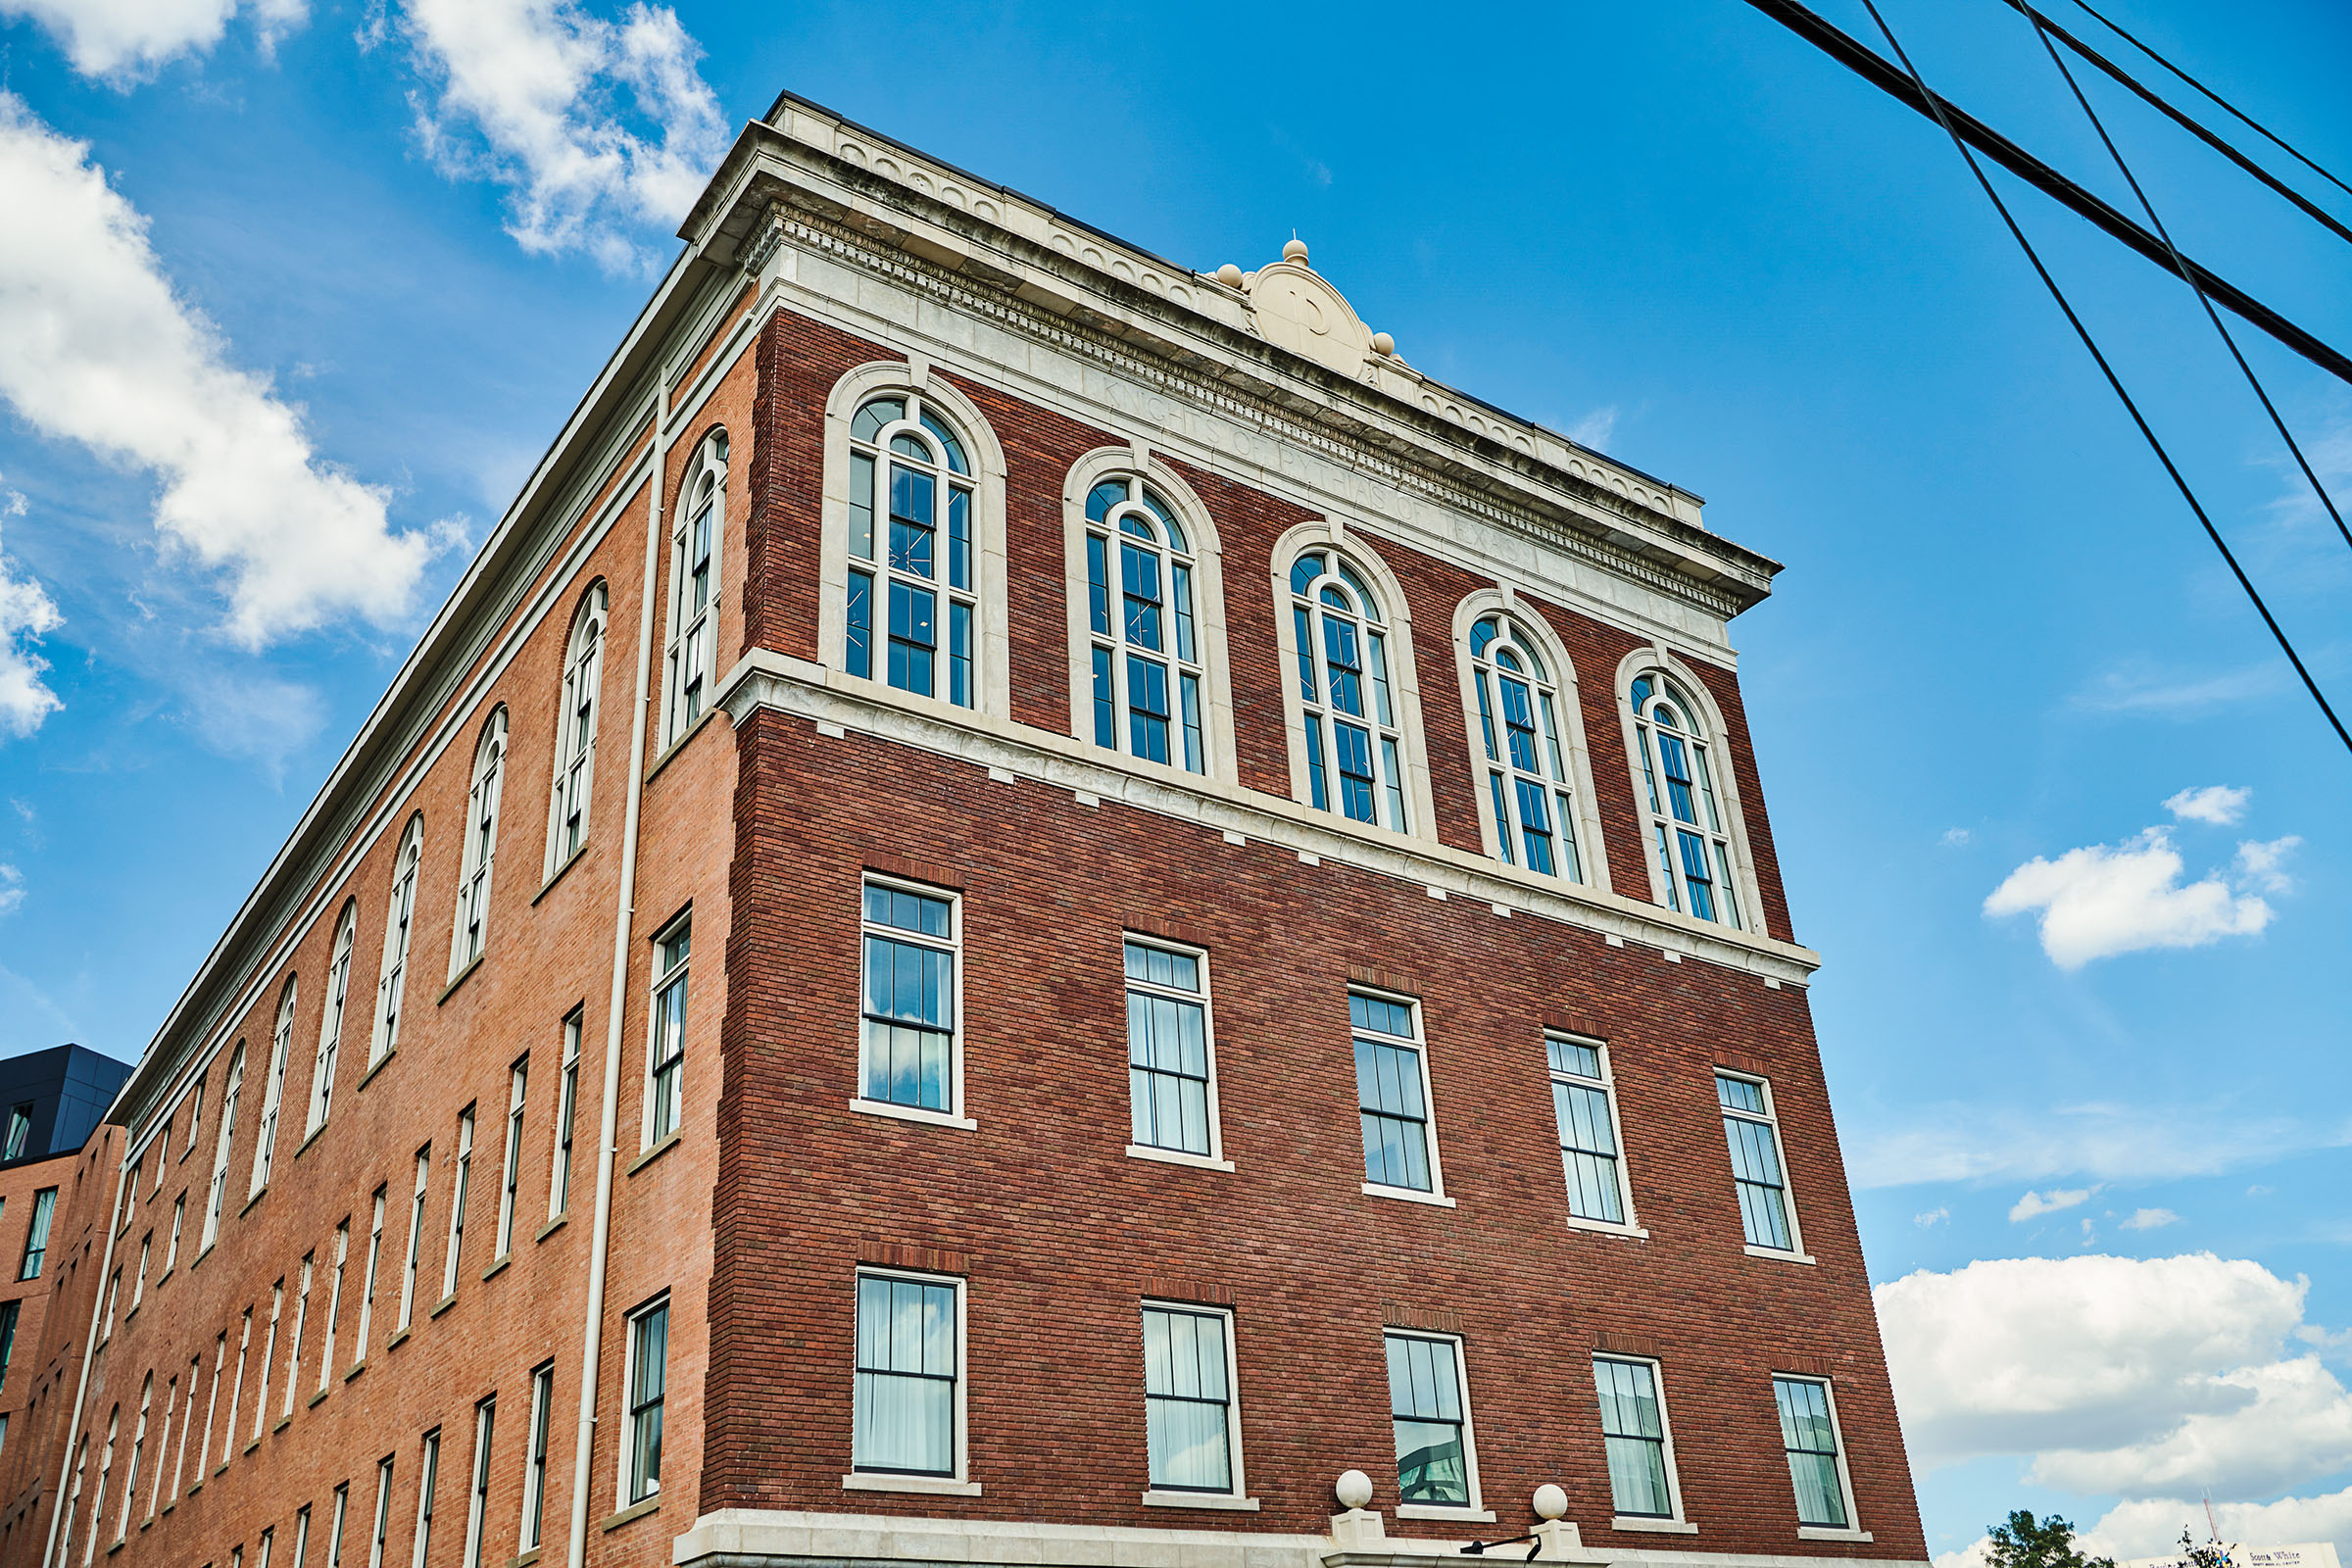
point(1522, 732)
point(224, 1136)
point(695, 557)
point(274, 1090)
point(911, 599)
point(331, 1025)
point(393, 974)
point(472, 928)
point(1691, 820)
point(1354, 734)
point(1150, 693)
point(575, 731)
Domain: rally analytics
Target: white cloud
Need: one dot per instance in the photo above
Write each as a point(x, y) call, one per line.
point(2151, 1527)
point(598, 127)
point(2097, 901)
point(2140, 690)
point(2217, 804)
point(1593, 430)
point(2150, 1219)
point(12, 888)
point(2119, 1376)
point(26, 612)
point(1938, 1215)
point(1960, 1142)
point(250, 714)
point(123, 40)
point(2258, 863)
point(95, 347)
point(1954, 837)
point(2036, 1204)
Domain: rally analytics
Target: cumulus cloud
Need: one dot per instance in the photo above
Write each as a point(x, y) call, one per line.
point(1932, 1217)
point(123, 40)
point(2217, 804)
point(2151, 1527)
point(2132, 1378)
point(1955, 837)
point(2036, 1204)
point(96, 348)
point(598, 127)
point(1593, 430)
point(2150, 1219)
point(2258, 863)
point(12, 888)
point(2098, 902)
point(26, 612)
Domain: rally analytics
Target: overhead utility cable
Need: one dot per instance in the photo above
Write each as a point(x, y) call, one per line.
point(2193, 127)
point(2230, 108)
point(2113, 380)
point(1867, 63)
point(2042, 31)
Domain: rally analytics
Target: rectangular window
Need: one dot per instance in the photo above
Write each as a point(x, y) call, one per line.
point(648, 1379)
point(1816, 1468)
point(335, 1304)
point(375, 1253)
point(665, 1046)
point(1172, 1090)
point(535, 1475)
point(1190, 1430)
point(427, 1474)
point(216, 1190)
point(8, 1337)
point(457, 1204)
point(908, 1403)
point(559, 1185)
point(302, 1314)
point(179, 1213)
point(382, 1530)
point(859, 656)
point(477, 1500)
point(302, 1535)
point(513, 1162)
point(1392, 1088)
point(236, 1387)
point(262, 1551)
point(138, 1285)
point(1753, 1133)
point(408, 1273)
point(261, 1392)
point(20, 1131)
point(36, 1236)
point(910, 1045)
point(335, 1526)
point(1430, 1412)
point(1633, 1426)
point(1584, 1105)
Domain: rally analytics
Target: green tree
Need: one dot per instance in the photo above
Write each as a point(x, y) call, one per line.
point(2025, 1541)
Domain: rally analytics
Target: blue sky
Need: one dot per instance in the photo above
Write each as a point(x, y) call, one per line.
point(377, 277)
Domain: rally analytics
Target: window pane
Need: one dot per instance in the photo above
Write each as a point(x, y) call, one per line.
point(906, 1378)
point(1186, 1401)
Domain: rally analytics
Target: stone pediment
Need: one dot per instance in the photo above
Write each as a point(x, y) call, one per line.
point(1296, 308)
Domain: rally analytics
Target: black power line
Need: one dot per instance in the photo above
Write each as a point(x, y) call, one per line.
point(2230, 108)
point(2108, 370)
point(1971, 131)
point(2042, 30)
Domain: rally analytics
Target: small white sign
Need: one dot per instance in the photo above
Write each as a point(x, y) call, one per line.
point(2305, 1554)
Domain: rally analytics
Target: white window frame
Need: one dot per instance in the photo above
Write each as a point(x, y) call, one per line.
point(881, 575)
point(302, 1317)
point(408, 1276)
point(573, 787)
point(217, 1187)
point(179, 1214)
point(330, 1023)
point(1386, 755)
point(1237, 1495)
point(1525, 628)
point(400, 942)
point(138, 1452)
point(1708, 733)
point(106, 1468)
point(461, 1178)
point(273, 1092)
point(531, 1531)
point(334, 1307)
point(1796, 1249)
point(375, 1253)
point(1476, 1511)
point(1215, 1158)
point(1106, 674)
point(428, 1482)
point(1429, 1122)
point(236, 1387)
point(1852, 1531)
point(1607, 1084)
point(477, 1492)
point(558, 1165)
point(261, 1392)
point(469, 927)
point(959, 1483)
point(658, 1037)
point(954, 1115)
point(381, 1530)
point(517, 1082)
point(690, 649)
point(1674, 1522)
point(627, 1456)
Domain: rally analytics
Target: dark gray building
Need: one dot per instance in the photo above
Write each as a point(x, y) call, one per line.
point(54, 1098)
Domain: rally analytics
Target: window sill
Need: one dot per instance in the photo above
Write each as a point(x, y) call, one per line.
point(443, 1305)
point(679, 745)
point(1409, 1195)
point(127, 1316)
point(462, 976)
point(655, 1152)
point(551, 1227)
point(395, 1341)
point(637, 1510)
point(120, 1543)
point(307, 1139)
point(935, 1485)
point(1601, 1227)
point(499, 1267)
point(374, 1068)
point(556, 875)
point(1654, 1527)
point(1199, 1499)
point(250, 1444)
point(523, 1559)
point(311, 1404)
point(1824, 1533)
point(284, 1422)
point(1177, 1157)
point(354, 1370)
point(1430, 1511)
point(1781, 1255)
point(249, 1201)
point(932, 1118)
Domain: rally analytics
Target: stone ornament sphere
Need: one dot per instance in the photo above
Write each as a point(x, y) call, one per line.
point(1550, 1502)
point(1230, 275)
point(1294, 251)
point(1355, 1488)
point(1382, 344)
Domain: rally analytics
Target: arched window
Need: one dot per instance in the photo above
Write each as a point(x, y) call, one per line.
point(274, 1090)
point(331, 1025)
point(575, 731)
point(1525, 748)
point(138, 1449)
point(1149, 694)
point(224, 1136)
point(694, 586)
point(1354, 735)
point(106, 1466)
point(472, 928)
point(912, 601)
point(1683, 793)
point(393, 974)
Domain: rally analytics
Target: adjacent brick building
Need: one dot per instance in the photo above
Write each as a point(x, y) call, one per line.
point(1030, 904)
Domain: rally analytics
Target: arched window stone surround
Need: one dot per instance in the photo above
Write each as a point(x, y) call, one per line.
point(1561, 673)
point(1653, 659)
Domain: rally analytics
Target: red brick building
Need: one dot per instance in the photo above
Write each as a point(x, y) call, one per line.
point(1030, 904)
